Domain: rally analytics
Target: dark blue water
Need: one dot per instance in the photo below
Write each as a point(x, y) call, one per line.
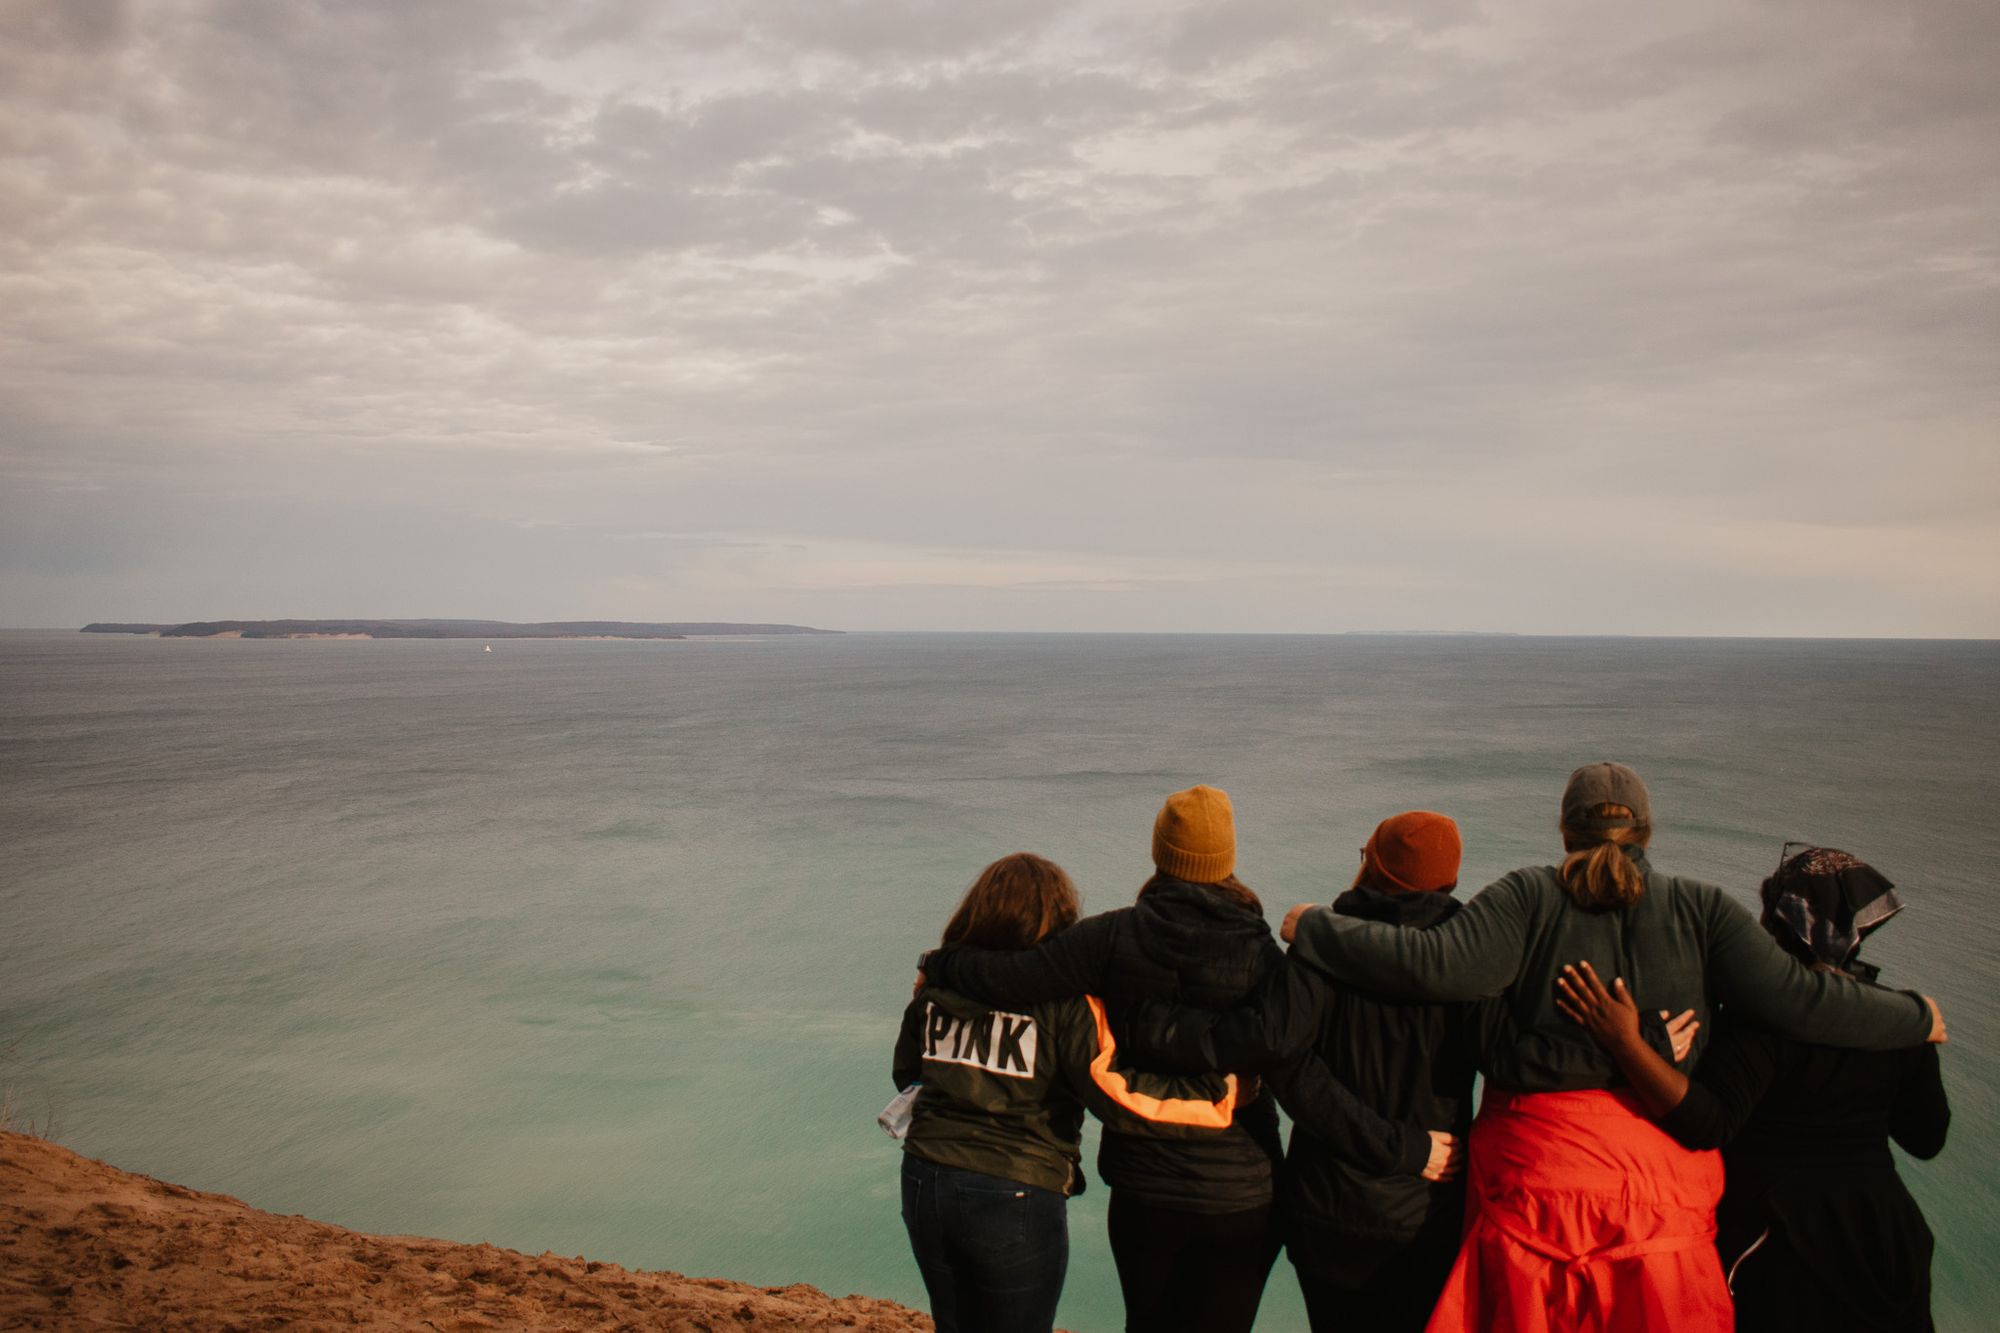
point(599, 947)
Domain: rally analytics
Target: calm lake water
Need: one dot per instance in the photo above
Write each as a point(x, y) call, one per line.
point(599, 947)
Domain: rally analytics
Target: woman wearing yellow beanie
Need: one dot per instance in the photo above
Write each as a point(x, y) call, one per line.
point(1191, 1220)
point(1194, 836)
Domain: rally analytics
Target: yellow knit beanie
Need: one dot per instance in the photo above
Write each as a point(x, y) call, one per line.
point(1195, 836)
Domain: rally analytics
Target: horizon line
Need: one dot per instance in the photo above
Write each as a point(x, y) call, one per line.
point(1183, 633)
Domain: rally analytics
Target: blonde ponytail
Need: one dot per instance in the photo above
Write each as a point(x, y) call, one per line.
point(1597, 874)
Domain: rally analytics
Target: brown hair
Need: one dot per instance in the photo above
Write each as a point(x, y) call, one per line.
point(1597, 874)
point(1016, 901)
point(1228, 886)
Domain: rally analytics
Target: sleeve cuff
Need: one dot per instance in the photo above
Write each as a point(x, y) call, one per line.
point(1416, 1151)
point(1687, 1124)
point(1304, 942)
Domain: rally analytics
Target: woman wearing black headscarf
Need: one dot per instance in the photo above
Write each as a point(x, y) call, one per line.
point(1815, 1229)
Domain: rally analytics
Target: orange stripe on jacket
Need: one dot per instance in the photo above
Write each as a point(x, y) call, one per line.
point(1167, 1110)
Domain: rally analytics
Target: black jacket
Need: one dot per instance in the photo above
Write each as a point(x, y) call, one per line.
point(1384, 1073)
point(1189, 943)
point(1814, 1223)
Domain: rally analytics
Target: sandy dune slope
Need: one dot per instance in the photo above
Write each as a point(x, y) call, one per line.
point(86, 1246)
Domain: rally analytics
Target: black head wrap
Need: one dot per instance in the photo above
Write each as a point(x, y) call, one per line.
point(1822, 903)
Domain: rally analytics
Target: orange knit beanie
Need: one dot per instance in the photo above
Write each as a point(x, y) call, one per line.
point(1416, 852)
point(1194, 837)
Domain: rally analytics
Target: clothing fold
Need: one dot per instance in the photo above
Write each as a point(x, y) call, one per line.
point(1583, 1216)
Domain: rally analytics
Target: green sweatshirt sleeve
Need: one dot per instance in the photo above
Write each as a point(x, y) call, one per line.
point(1474, 954)
point(1133, 1100)
point(1766, 985)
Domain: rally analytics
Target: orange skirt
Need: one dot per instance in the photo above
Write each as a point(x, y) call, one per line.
point(1583, 1216)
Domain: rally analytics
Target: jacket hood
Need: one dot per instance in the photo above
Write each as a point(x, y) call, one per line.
point(1180, 925)
point(1398, 909)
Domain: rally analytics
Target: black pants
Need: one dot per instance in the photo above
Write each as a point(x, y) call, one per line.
point(1383, 1306)
point(1182, 1271)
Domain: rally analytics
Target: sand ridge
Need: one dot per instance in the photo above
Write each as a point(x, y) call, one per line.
point(84, 1245)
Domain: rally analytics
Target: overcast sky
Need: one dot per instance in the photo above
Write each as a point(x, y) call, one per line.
point(1549, 315)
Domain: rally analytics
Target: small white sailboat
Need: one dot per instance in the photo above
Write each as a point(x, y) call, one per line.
point(489, 647)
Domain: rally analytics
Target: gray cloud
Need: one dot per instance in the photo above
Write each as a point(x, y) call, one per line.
point(1231, 315)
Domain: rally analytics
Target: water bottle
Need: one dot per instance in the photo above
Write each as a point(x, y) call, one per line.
point(895, 1117)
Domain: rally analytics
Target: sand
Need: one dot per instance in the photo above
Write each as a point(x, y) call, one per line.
point(87, 1246)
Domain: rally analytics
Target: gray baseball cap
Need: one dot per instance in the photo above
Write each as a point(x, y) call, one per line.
point(1605, 784)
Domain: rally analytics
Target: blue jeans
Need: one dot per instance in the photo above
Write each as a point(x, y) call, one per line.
point(993, 1252)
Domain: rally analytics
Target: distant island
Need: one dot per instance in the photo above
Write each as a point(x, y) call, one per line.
point(446, 629)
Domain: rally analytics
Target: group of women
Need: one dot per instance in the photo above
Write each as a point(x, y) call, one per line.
point(1588, 1193)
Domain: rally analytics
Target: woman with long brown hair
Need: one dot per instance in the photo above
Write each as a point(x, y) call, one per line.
point(991, 1154)
point(1582, 1213)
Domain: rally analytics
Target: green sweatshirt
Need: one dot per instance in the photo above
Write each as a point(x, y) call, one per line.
point(1683, 945)
point(1004, 1093)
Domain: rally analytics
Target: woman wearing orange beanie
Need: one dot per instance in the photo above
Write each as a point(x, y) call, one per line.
point(1191, 1220)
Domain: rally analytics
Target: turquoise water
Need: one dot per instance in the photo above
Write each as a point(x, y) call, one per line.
point(599, 947)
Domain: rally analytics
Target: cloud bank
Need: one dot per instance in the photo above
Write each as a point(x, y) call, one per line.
point(1244, 315)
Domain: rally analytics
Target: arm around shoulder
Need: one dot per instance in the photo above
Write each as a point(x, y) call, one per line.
point(1767, 985)
point(1068, 963)
point(1476, 953)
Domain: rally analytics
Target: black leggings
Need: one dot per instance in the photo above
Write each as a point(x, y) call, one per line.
point(1182, 1270)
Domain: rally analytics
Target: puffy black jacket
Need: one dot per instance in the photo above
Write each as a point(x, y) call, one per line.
point(1180, 942)
point(1381, 1073)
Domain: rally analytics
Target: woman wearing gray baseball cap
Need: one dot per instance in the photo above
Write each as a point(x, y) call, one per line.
point(1581, 1212)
